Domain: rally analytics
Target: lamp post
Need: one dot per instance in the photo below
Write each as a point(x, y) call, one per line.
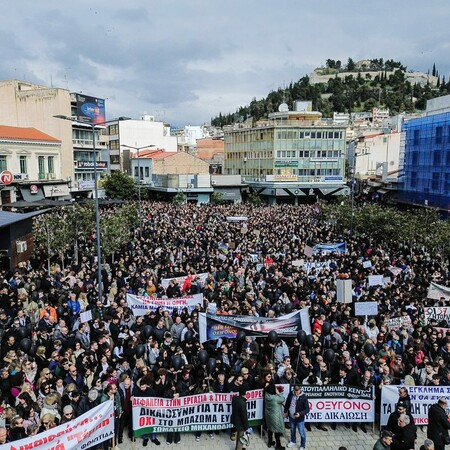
point(97, 209)
point(138, 149)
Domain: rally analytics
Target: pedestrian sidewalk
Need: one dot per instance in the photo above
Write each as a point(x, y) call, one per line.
point(316, 440)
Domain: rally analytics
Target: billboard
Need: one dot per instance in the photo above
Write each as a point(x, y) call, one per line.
point(90, 109)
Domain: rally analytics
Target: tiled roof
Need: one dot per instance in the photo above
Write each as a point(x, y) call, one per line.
point(25, 134)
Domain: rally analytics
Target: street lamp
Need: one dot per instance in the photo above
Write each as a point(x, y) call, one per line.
point(137, 149)
point(97, 210)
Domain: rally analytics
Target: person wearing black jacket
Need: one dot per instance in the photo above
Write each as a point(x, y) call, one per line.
point(438, 424)
point(239, 417)
point(406, 435)
point(296, 407)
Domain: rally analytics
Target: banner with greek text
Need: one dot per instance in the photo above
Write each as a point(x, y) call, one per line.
point(200, 277)
point(422, 397)
point(436, 292)
point(201, 412)
point(437, 313)
point(140, 306)
point(219, 326)
point(92, 428)
point(335, 403)
point(395, 323)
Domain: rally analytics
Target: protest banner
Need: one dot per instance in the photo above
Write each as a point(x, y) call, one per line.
point(201, 412)
point(438, 313)
point(366, 309)
point(367, 264)
point(237, 219)
point(329, 247)
point(436, 292)
point(140, 306)
point(86, 316)
point(91, 428)
point(441, 330)
point(344, 292)
point(308, 266)
point(336, 403)
point(395, 270)
point(375, 280)
point(395, 323)
point(422, 397)
point(199, 277)
point(219, 326)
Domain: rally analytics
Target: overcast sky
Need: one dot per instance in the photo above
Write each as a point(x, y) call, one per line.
point(185, 61)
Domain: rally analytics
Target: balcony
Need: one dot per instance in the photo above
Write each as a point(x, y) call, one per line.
point(87, 143)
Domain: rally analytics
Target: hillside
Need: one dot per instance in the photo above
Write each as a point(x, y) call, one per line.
point(357, 86)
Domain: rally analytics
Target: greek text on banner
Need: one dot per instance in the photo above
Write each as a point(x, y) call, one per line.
point(91, 428)
point(209, 411)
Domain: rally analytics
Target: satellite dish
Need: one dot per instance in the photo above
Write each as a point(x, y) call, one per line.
point(283, 107)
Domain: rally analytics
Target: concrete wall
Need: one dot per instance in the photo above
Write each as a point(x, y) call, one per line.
point(25, 104)
point(180, 163)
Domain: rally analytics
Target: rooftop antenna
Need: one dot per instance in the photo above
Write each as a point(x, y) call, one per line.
point(66, 77)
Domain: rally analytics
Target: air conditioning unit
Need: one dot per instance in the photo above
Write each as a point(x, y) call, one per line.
point(213, 182)
point(21, 246)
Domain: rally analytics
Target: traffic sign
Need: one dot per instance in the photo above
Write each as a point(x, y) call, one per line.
point(6, 177)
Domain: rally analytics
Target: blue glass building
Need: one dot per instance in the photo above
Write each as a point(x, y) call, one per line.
point(426, 174)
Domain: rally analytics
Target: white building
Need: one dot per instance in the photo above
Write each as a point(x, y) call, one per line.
point(378, 154)
point(143, 134)
point(32, 161)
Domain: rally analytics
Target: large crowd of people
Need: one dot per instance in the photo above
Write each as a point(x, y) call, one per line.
point(54, 367)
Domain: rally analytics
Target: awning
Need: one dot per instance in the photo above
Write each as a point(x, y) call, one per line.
point(32, 193)
point(56, 190)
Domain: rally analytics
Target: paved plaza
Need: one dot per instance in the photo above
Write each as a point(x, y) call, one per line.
point(316, 440)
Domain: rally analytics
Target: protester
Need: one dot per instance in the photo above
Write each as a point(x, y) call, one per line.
point(385, 441)
point(438, 424)
point(257, 273)
point(295, 408)
point(239, 417)
point(273, 415)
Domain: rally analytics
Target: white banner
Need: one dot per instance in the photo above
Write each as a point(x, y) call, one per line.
point(422, 397)
point(344, 292)
point(201, 412)
point(180, 280)
point(140, 306)
point(436, 292)
point(395, 323)
point(437, 313)
point(366, 308)
point(317, 265)
point(375, 280)
point(92, 428)
point(335, 403)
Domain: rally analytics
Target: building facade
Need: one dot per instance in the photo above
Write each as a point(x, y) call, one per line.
point(139, 134)
point(293, 154)
point(426, 179)
point(33, 159)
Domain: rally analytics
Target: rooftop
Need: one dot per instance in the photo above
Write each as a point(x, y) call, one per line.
point(25, 134)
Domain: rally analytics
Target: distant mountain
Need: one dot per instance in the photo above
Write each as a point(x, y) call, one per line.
point(356, 86)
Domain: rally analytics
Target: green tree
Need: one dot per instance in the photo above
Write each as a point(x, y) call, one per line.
point(179, 198)
point(217, 198)
point(120, 185)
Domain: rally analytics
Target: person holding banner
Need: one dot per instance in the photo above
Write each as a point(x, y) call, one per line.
point(296, 408)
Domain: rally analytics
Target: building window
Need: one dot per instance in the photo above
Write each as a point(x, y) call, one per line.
point(41, 167)
point(114, 145)
point(435, 181)
point(136, 173)
point(147, 172)
point(416, 137)
point(438, 135)
point(115, 159)
point(437, 158)
point(23, 164)
point(415, 158)
point(113, 129)
point(3, 162)
point(51, 164)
